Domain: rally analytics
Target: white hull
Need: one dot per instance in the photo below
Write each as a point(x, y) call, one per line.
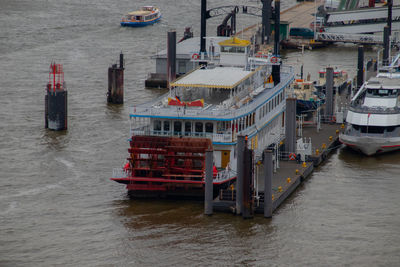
point(370, 145)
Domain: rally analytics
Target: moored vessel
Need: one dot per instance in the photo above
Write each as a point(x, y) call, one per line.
point(373, 119)
point(207, 108)
point(144, 16)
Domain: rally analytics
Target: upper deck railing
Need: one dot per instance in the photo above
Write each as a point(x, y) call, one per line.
point(212, 111)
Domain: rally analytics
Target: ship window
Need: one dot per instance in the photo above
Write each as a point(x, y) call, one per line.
point(372, 129)
point(177, 127)
point(166, 126)
point(221, 127)
point(209, 127)
point(157, 125)
point(188, 128)
point(321, 75)
point(306, 86)
point(181, 67)
point(390, 129)
point(198, 127)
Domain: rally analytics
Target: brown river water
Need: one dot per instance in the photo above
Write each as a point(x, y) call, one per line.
point(59, 208)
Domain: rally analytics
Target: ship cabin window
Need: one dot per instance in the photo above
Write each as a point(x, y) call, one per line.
point(198, 128)
point(209, 127)
point(322, 75)
point(222, 127)
point(138, 18)
point(306, 86)
point(381, 93)
point(253, 119)
point(232, 49)
point(157, 126)
point(188, 128)
point(177, 127)
point(181, 67)
point(166, 127)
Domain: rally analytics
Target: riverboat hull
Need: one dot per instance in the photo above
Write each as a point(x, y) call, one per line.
point(139, 24)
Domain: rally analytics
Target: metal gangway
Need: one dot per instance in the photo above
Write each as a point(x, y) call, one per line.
point(349, 38)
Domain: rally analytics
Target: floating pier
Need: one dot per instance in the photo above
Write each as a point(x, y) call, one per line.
point(56, 108)
point(284, 167)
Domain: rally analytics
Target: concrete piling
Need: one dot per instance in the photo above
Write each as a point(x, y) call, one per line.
point(208, 196)
point(247, 205)
point(386, 44)
point(115, 94)
point(268, 172)
point(329, 93)
point(56, 100)
point(360, 66)
point(171, 56)
point(276, 75)
point(290, 125)
point(203, 26)
point(241, 143)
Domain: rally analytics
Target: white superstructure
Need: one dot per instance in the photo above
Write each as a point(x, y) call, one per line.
point(373, 120)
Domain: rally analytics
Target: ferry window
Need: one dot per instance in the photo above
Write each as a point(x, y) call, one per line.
point(177, 127)
point(181, 67)
point(198, 127)
point(209, 127)
point(269, 106)
point(306, 86)
point(226, 49)
point(253, 118)
point(157, 125)
point(321, 75)
point(166, 126)
point(390, 129)
point(188, 127)
point(383, 92)
point(221, 127)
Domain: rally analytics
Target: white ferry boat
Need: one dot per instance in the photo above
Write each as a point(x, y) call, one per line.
point(373, 119)
point(144, 16)
point(205, 109)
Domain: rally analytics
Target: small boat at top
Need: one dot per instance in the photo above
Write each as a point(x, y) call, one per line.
point(144, 16)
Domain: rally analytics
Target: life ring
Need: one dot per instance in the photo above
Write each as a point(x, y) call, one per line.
point(274, 60)
point(195, 56)
point(292, 156)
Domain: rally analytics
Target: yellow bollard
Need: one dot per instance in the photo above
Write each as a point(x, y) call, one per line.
point(273, 196)
point(330, 138)
point(323, 146)
point(342, 126)
point(288, 180)
point(280, 189)
point(297, 171)
point(304, 164)
point(259, 162)
point(317, 152)
point(337, 131)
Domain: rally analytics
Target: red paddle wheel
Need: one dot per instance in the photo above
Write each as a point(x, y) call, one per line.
point(165, 166)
